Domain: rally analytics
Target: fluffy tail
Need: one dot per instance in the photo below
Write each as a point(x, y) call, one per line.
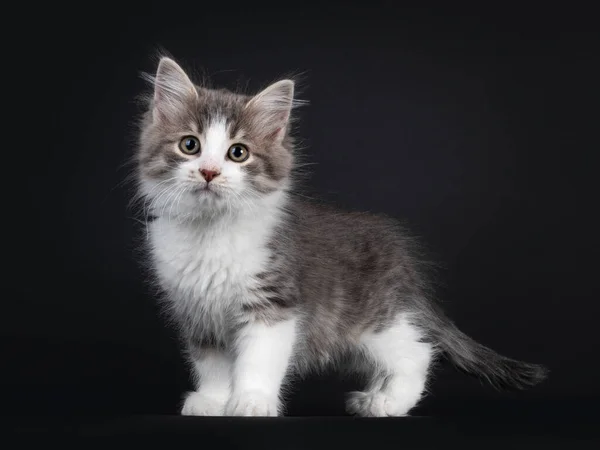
point(484, 363)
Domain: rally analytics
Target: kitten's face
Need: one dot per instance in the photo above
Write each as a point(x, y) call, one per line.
point(207, 151)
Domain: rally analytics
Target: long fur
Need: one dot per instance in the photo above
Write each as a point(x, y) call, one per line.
point(264, 284)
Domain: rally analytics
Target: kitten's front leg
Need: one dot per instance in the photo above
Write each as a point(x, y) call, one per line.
point(212, 369)
point(263, 356)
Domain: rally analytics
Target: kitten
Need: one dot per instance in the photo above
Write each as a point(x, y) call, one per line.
point(263, 285)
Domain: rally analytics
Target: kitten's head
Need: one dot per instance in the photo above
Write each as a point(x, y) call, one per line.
point(205, 151)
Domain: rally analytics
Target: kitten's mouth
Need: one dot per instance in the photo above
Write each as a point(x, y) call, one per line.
point(207, 189)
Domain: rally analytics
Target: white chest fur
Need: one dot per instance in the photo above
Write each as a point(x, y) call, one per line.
point(207, 268)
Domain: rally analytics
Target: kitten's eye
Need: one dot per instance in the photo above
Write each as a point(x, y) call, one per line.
point(189, 145)
point(238, 153)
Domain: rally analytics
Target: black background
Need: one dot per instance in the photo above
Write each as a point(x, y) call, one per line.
point(477, 125)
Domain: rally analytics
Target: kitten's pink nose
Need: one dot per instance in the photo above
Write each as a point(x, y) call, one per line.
point(209, 174)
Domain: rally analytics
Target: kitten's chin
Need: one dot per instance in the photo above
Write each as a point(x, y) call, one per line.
point(211, 199)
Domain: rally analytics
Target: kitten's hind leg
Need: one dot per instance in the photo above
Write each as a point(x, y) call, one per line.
point(400, 364)
point(212, 370)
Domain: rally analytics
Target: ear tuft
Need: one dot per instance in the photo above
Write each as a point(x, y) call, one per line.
point(173, 89)
point(272, 107)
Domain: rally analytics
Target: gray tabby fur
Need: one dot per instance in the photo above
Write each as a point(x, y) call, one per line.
point(340, 275)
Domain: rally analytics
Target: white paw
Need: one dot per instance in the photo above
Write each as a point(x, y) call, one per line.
point(375, 404)
point(252, 403)
point(200, 404)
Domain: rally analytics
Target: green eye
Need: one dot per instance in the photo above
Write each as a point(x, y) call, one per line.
point(189, 145)
point(238, 153)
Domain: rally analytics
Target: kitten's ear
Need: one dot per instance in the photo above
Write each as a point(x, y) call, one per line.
point(272, 108)
point(172, 90)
